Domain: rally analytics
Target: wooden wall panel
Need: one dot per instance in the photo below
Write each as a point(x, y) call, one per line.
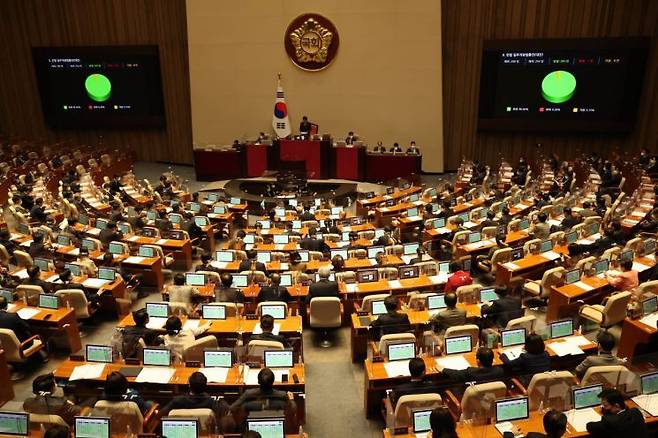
point(28, 23)
point(466, 23)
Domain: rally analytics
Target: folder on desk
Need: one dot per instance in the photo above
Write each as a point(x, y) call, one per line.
point(647, 402)
point(215, 374)
point(87, 372)
point(365, 321)
point(130, 371)
point(456, 362)
point(578, 418)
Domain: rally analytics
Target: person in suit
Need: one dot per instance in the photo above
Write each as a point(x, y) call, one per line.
point(87, 265)
point(33, 279)
point(109, 234)
point(267, 325)
point(181, 293)
point(13, 322)
point(205, 264)
point(306, 214)
point(490, 221)
point(5, 240)
point(505, 216)
point(587, 210)
point(541, 230)
point(450, 316)
point(224, 292)
point(385, 239)
point(38, 248)
point(617, 419)
point(310, 243)
point(555, 426)
point(499, 312)
point(45, 402)
point(131, 335)
point(484, 372)
point(138, 221)
point(304, 127)
point(351, 138)
point(380, 148)
point(66, 282)
point(162, 222)
point(237, 242)
point(570, 219)
point(412, 149)
point(197, 398)
point(251, 264)
point(606, 342)
point(392, 321)
point(396, 148)
point(37, 212)
point(324, 287)
point(274, 292)
point(264, 396)
point(534, 358)
point(417, 385)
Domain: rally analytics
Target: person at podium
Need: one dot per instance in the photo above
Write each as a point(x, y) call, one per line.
point(380, 148)
point(351, 138)
point(304, 127)
point(396, 149)
point(413, 149)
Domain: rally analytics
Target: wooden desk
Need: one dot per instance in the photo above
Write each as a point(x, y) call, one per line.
point(633, 334)
point(181, 249)
point(562, 300)
point(362, 205)
point(7, 388)
point(149, 267)
point(527, 264)
point(514, 238)
point(384, 215)
point(48, 322)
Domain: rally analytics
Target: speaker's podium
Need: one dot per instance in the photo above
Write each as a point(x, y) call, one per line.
point(313, 153)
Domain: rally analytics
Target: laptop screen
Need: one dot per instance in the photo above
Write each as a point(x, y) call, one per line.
point(213, 311)
point(280, 212)
point(14, 423)
point(278, 358)
point(7, 294)
point(219, 209)
point(546, 245)
point(240, 280)
point(48, 301)
point(296, 225)
point(436, 302)
point(649, 247)
point(600, 266)
point(63, 240)
point(401, 351)
point(224, 256)
point(444, 267)
point(92, 427)
point(249, 238)
point(235, 201)
point(304, 256)
point(626, 256)
point(280, 239)
point(157, 356)
point(340, 252)
point(412, 212)
point(270, 428)
point(560, 329)
point(101, 224)
point(571, 237)
point(649, 305)
point(175, 218)
point(374, 250)
point(524, 224)
point(217, 358)
point(286, 280)
point(410, 248)
point(75, 269)
point(421, 421)
point(572, 276)
point(367, 276)
point(509, 338)
point(89, 244)
point(99, 353)
point(43, 264)
point(378, 307)
point(108, 274)
point(488, 295)
point(336, 210)
point(649, 383)
point(213, 197)
point(511, 409)
point(439, 223)
point(586, 396)
point(474, 237)
point(458, 344)
point(264, 256)
point(180, 427)
point(116, 248)
point(157, 310)
point(146, 251)
point(194, 279)
point(276, 311)
point(409, 272)
point(201, 221)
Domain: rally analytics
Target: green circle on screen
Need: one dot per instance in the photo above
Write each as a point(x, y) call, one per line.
point(558, 86)
point(98, 87)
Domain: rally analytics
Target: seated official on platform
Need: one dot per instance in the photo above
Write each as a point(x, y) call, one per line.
point(485, 371)
point(324, 287)
point(617, 419)
point(412, 149)
point(604, 356)
point(450, 316)
point(502, 310)
point(396, 149)
point(392, 321)
point(379, 148)
point(351, 138)
point(263, 397)
point(555, 426)
point(251, 264)
point(304, 127)
point(273, 291)
point(46, 403)
point(198, 398)
point(417, 385)
point(267, 325)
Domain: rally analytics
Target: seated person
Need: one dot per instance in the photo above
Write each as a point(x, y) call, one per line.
point(37, 212)
point(197, 398)
point(179, 292)
point(265, 397)
point(46, 403)
point(324, 287)
point(379, 147)
point(163, 223)
point(627, 279)
point(500, 244)
point(385, 239)
point(534, 358)
point(57, 431)
point(417, 385)
point(587, 210)
point(33, 279)
point(392, 321)
point(450, 316)
point(502, 310)
point(485, 371)
point(178, 339)
point(490, 221)
point(205, 264)
point(296, 263)
point(442, 423)
point(132, 334)
point(338, 263)
point(267, 325)
point(396, 148)
point(604, 356)
point(5, 240)
point(251, 263)
point(87, 265)
point(237, 242)
point(110, 234)
point(555, 426)
point(617, 419)
point(306, 214)
point(66, 282)
point(116, 390)
point(458, 278)
point(274, 292)
point(570, 219)
point(38, 247)
point(541, 230)
point(354, 241)
point(413, 149)
point(505, 216)
point(224, 292)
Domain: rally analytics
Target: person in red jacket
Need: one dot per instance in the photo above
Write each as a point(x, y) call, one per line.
point(458, 278)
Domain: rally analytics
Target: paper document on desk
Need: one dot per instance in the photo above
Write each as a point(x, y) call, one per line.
point(578, 418)
point(511, 266)
point(505, 426)
point(155, 375)
point(95, 283)
point(74, 252)
point(565, 349)
point(442, 230)
point(216, 375)
point(156, 323)
point(397, 368)
point(134, 238)
point(27, 243)
point(394, 284)
point(550, 255)
point(351, 287)
point(513, 352)
point(406, 259)
point(53, 279)
point(438, 279)
point(219, 265)
point(577, 340)
point(161, 241)
point(94, 231)
point(647, 402)
point(583, 286)
point(469, 224)
point(252, 377)
point(22, 274)
point(191, 324)
point(134, 260)
point(275, 331)
point(639, 267)
point(456, 362)
point(630, 221)
point(520, 206)
point(650, 319)
point(89, 372)
point(553, 222)
point(27, 313)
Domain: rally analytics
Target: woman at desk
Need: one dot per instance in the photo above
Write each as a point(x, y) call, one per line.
point(627, 279)
point(178, 339)
point(532, 360)
point(442, 423)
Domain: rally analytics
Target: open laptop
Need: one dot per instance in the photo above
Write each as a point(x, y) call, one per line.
point(146, 251)
point(158, 314)
point(47, 301)
point(367, 276)
point(512, 341)
point(92, 427)
point(194, 279)
point(488, 295)
point(213, 311)
point(435, 303)
point(267, 427)
point(278, 358)
point(340, 252)
point(572, 276)
point(458, 344)
point(75, 269)
point(571, 237)
point(626, 255)
point(408, 272)
point(510, 409)
point(286, 280)
point(561, 329)
point(276, 311)
point(420, 421)
point(240, 280)
point(280, 239)
point(14, 423)
point(157, 357)
point(474, 237)
point(224, 256)
point(174, 427)
point(98, 353)
point(600, 266)
point(586, 396)
point(378, 307)
point(410, 248)
point(264, 256)
point(217, 358)
point(400, 351)
point(649, 383)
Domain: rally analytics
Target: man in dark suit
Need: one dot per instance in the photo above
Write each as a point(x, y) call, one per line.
point(273, 292)
point(505, 216)
point(310, 243)
point(396, 148)
point(617, 419)
point(484, 372)
point(417, 385)
point(604, 356)
point(251, 264)
point(138, 221)
point(324, 287)
point(380, 148)
point(385, 239)
point(109, 234)
point(162, 222)
point(225, 293)
point(393, 321)
point(569, 219)
point(351, 138)
point(304, 127)
point(37, 212)
point(267, 325)
point(307, 215)
point(413, 149)
point(198, 398)
point(33, 279)
point(37, 247)
point(450, 316)
point(263, 397)
point(499, 312)
point(13, 322)
point(490, 221)
point(555, 425)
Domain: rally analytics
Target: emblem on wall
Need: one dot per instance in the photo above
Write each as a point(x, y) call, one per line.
point(311, 42)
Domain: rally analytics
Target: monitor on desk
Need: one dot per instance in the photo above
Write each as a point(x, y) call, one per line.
point(340, 252)
point(264, 256)
point(458, 344)
point(524, 224)
point(276, 311)
point(400, 351)
point(240, 280)
point(124, 228)
point(410, 248)
point(649, 383)
point(267, 427)
point(512, 409)
point(151, 215)
point(517, 253)
point(378, 307)
point(546, 245)
point(278, 358)
point(593, 228)
point(413, 198)
point(218, 358)
point(149, 232)
point(7, 294)
point(572, 276)
point(304, 255)
point(296, 225)
point(561, 329)
point(279, 212)
point(157, 310)
point(212, 197)
point(439, 223)
point(435, 207)
point(650, 305)
point(512, 337)
point(626, 255)
point(47, 301)
point(83, 219)
point(421, 420)
point(464, 217)
point(101, 223)
point(600, 266)
point(281, 239)
point(336, 210)
point(157, 357)
point(224, 256)
point(408, 272)
point(474, 237)
point(571, 237)
point(146, 251)
point(249, 239)
point(195, 279)
point(213, 311)
point(131, 211)
point(649, 247)
point(367, 276)
point(444, 267)
point(219, 209)
point(14, 423)
point(586, 396)
point(435, 302)
point(286, 280)
point(108, 274)
point(175, 218)
point(115, 248)
point(345, 236)
point(412, 212)
point(374, 250)
point(201, 221)
point(488, 295)
point(63, 240)
point(89, 244)
point(195, 207)
point(178, 427)
point(92, 427)
point(235, 201)
point(99, 353)
point(42, 264)
point(332, 277)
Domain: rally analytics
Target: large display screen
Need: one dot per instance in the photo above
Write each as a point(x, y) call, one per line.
point(561, 85)
point(100, 87)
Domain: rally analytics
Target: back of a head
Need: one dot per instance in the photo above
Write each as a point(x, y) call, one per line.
point(614, 397)
point(43, 384)
point(391, 303)
point(226, 279)
point(542, 217)
point(486, 356)
point(179, 279)
point(267, 323)
point(251, 434)
point(455, 266)
point(140, 317)
point(451, 300)
point(116, 385)
point(275, 279)
point(205, 259)
point(198, 383)
point(173, 326)
point(442, 423)
point(3, 303)
point(501, 291)
point(324, 272)
point(266, 379)
point(555, 423)
point(57, 431)
point(534, 344)
point(606, 341)
point(251, 254)
point(416, 367)
point(33, 272)
point(627, 265)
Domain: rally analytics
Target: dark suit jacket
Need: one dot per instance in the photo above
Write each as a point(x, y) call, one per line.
point(228, 294)
point(271, 337)
point(37, 249)
point(256, 400)
point(163, 224)
point(307, 216)
point(38, 282)
point(502, 310)
point(322, 288)
point(528, 363)
point(569, 222)
point(106, 236)
point(13, 322)
point(383, 241)
point(411, 388)
point(628, 422)
point(269, 293)
point(473, 374)
point(245, 265)
point(392, 323)
point(38, 214)
point(311, 244)
point(529, 435)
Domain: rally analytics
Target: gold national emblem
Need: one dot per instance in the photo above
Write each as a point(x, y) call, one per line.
point(311, 42)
